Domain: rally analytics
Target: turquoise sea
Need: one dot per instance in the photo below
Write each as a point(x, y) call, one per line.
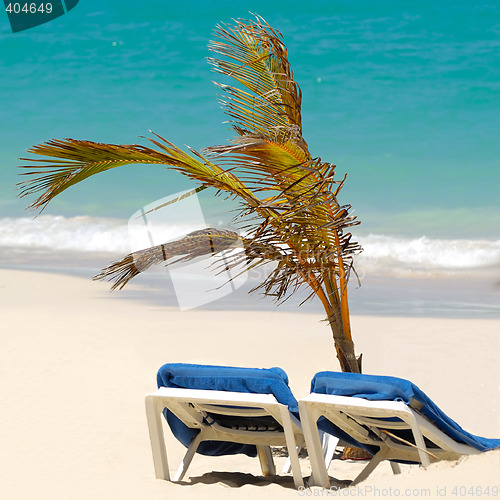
point(403, 96)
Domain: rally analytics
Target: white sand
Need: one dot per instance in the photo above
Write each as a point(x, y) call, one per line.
point(76, 362)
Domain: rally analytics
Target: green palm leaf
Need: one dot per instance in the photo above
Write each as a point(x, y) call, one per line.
point(82, 159)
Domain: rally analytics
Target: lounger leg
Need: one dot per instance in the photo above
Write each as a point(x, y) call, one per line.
point(188, 457)
point(266, 460)
point(287, 467)
point(308, 418)
point(395, 468)
point(377, 458)
point(292, 447)
point(154, 416)
point(329, 444)
point(419, 441)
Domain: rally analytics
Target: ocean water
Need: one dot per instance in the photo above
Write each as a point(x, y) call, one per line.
point(403, 96)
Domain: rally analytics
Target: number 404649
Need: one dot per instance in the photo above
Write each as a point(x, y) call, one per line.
point(28, 8)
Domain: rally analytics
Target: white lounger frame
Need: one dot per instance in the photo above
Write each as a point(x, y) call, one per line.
point(191, 405)
point(356, 415)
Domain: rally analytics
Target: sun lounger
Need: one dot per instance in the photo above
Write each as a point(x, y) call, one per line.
point(220, 410)
point(390, 417)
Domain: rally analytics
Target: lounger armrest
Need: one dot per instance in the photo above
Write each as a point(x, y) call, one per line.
point(357, 403)
point(216, 397)
point(240, 399)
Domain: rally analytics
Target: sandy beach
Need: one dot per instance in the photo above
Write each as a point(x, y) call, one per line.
point(321, 117)
point(77, 361)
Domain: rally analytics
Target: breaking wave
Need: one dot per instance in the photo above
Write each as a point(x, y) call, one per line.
point(95, 234)
point(427, 254)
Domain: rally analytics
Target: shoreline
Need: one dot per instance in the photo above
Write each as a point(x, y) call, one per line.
point(466, 294)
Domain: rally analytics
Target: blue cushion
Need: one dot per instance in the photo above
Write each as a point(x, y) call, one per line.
point(223, 378)
point(380, 388)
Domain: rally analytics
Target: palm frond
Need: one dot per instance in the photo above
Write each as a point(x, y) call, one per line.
point(270, 153)
point(254, 54)
point(183, 196)
point(200, 243)
point(82, 159)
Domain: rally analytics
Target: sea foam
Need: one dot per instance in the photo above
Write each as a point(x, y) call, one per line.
point(426, 254)
point(85, 234)
point(96, 234)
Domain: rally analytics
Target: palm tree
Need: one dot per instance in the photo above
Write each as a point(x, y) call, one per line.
point(288, 205)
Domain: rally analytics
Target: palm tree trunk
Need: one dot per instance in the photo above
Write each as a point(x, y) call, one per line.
point(344, 305)
point(344, 347)
point(338, 318)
